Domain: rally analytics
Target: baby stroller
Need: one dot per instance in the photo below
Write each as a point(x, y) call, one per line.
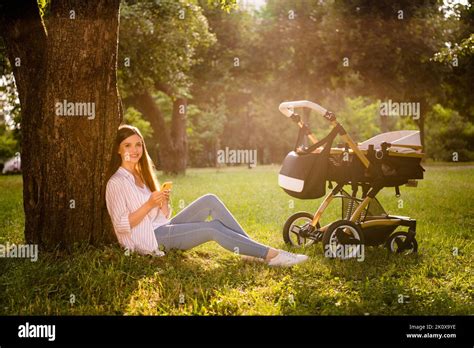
point(387, 160)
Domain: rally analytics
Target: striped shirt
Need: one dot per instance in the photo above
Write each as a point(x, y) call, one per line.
point(124, 197)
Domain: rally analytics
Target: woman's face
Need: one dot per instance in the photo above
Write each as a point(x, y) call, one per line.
point(131, 149)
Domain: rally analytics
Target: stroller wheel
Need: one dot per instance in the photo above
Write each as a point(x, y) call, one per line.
point(295, 231)
point(396, 244)
point(343, 239)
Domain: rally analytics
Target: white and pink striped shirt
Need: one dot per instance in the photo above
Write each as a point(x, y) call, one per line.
point(123, 197)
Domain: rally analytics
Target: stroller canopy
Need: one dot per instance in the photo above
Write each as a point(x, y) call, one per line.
point(403, 137)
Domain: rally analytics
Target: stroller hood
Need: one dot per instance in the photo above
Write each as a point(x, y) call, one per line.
point(403, 137)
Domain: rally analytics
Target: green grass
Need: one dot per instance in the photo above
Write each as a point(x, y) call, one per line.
point(211, 281)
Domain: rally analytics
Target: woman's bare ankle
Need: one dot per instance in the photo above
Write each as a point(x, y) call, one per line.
point(271, 254)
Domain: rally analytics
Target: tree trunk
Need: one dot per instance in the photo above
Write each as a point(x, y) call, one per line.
point(421, 121)
point(65, 157)
point(173, 145)
point(26, 43)
point(177, 163)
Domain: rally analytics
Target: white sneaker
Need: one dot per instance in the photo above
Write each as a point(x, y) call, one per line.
point(157, 253)
point(286, 259)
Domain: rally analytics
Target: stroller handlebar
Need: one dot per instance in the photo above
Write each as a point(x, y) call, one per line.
point(286, 108)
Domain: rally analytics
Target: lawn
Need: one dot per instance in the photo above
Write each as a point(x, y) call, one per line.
point(211, 281)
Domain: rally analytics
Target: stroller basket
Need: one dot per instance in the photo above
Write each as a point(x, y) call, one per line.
point(374, 210)
point(349, 204)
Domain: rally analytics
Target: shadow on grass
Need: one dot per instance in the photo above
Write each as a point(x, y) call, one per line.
point(104, 281)
point(93, 281)
point(383, 284)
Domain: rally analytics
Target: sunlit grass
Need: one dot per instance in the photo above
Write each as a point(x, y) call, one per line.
point(211, 281)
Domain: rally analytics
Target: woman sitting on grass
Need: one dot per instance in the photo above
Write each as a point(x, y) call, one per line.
point(141, 214)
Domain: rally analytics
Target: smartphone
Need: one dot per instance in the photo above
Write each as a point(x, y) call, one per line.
point(166, 186)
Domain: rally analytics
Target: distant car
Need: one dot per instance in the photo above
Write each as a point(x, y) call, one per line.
point(13, 165)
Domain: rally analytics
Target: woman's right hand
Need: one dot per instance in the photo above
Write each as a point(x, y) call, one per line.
point(157, 198)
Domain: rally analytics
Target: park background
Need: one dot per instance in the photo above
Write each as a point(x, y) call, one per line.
point(197, 77)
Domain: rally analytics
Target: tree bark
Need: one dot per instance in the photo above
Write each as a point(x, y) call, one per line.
point(65, 158)
point(26, 43)
point(421, 122)
point(178, 159)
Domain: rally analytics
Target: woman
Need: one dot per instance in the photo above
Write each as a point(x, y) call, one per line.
point(141, 213)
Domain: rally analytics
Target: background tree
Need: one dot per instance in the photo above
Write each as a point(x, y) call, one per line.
point(197, 78)
point(157, 50)
point(457, 60)
point(10, 135)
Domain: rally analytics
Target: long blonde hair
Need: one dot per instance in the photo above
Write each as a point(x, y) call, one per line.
point(145, 165)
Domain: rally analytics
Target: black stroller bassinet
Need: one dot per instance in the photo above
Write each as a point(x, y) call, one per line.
point(305, 171)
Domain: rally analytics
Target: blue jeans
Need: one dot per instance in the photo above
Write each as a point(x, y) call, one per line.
point(189, 228)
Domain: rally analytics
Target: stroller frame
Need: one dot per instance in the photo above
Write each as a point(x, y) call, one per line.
point(356, 219)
